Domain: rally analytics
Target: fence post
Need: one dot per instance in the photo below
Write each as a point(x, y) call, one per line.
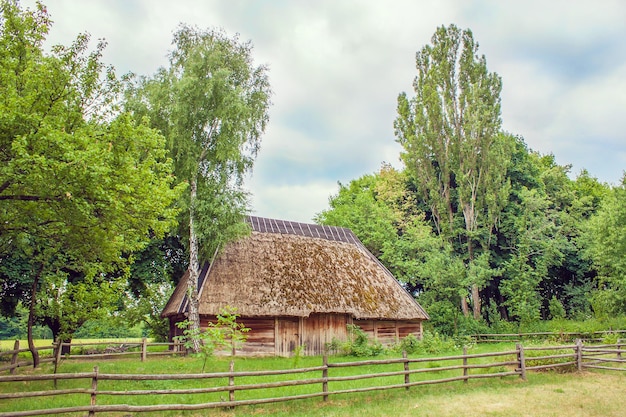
point(231, 383)
point(94, 389)
point(407, 376)
point(579, 354)
point(521, 360)
point(57, 354)
point(619, 348)
point(57, 358)
point(144, 349)
point(465, 371)
point(325, 377)
point(14, 358)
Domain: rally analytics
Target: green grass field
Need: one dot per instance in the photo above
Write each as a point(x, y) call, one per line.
point(544, 394)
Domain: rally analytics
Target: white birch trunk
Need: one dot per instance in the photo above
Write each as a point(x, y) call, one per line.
point(194, 267)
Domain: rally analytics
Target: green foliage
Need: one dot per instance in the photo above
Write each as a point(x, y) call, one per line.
point(106, 328)
point(212, 106)
point(605, 236)
point(359, 344)
point(453, 148)
point(410, 344)
point(434, 343)
point(82, 184)
point(213, 125)
point(383, 213)
point(297, 354)
point(557, 311)
point(610, 338)
point(509, 229)
point(225, 333)
point(193, 337)
point(469, 326)
point(14, 327)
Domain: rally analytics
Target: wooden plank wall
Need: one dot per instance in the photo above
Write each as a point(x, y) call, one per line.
point(260, 338)
point(287, 331)
point(389, 332)
point(320, 329)
point(282, 335)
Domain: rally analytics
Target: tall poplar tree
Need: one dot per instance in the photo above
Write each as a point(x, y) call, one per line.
point(212, 105)
point(454, 148)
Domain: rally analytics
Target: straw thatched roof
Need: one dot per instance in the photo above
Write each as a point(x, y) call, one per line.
point(295, 269)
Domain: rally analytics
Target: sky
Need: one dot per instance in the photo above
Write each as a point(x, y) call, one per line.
point(336, 68)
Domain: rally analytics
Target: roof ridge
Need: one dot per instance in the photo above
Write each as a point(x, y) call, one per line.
point(332, 233)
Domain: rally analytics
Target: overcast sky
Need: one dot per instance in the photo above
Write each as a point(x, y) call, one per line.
point(336, 68)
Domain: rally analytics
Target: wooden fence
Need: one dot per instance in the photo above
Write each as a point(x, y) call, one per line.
point(98, 350)
point(554, 336)
point(320, 381)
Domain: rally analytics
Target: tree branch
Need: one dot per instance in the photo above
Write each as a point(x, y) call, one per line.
point(4, 186)
point(27, 198)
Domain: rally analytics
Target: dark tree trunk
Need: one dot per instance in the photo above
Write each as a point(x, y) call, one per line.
point(55, 327)
point(31, 318)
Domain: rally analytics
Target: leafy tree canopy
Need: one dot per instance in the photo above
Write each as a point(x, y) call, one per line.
point(81, 183)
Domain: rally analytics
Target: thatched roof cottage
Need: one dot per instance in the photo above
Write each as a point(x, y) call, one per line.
point(297, 284)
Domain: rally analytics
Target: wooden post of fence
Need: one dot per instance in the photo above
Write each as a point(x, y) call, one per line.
point(407, 375)
point(144, 349)
point(14, 357)
point(231, 383)
point(325, 377)
point(94, 390)
point(521, 360)
point(465, 371)
point(57, 357)
point(619, 348)
point(579, 354)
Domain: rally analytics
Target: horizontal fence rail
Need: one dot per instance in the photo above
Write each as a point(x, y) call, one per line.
point(559, 336)
point(237, 388)
point(17, 357)
point(601, 357)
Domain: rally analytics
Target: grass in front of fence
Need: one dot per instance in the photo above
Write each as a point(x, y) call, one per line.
point(543, 395)
point(546, 394)
point(190, 365)
point(377, 402)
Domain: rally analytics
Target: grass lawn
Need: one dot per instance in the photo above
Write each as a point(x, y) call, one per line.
point(597, 393)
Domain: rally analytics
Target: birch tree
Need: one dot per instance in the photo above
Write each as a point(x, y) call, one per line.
point(454, 148)
point(212, 105)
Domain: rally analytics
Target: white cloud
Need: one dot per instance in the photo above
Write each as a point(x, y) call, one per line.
point(337, 66)
point(293, 202)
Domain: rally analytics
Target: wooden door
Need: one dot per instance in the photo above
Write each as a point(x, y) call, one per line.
point(287, 335)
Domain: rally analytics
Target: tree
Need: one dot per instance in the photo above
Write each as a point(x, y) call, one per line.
point(383, 212)
point(81, 184)
point(453, 147)
point(155, 271)
point(605, 239)
point(212, 105)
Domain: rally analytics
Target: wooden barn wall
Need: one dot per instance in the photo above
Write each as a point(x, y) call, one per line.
point(174, 330)
point(260, 339)
point(287, 335)
point(320, 329)
point(389, 332)
point(282, 335)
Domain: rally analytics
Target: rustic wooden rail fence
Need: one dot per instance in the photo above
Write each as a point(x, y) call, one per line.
point(318, 381)
point(554, 336)
point(108, 350)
